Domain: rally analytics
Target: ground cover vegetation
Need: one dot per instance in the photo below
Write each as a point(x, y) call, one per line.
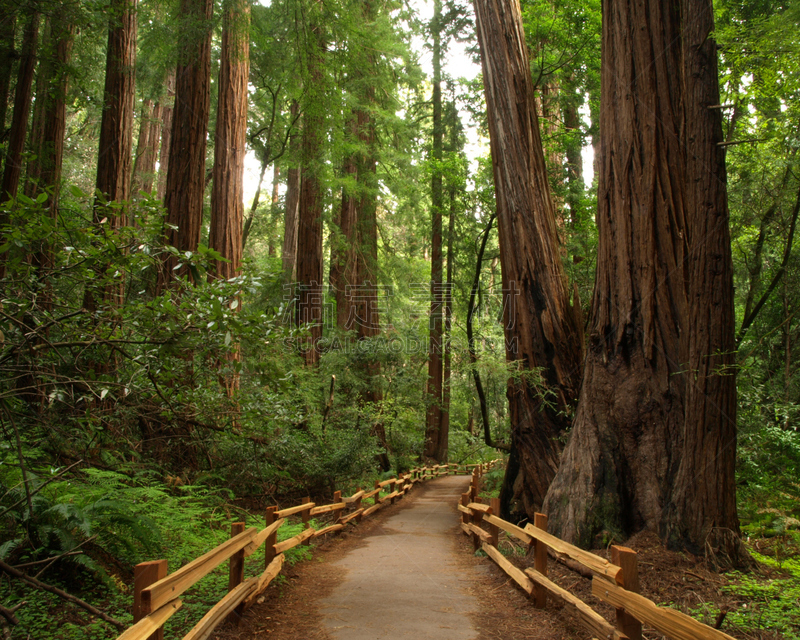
point(173, 356)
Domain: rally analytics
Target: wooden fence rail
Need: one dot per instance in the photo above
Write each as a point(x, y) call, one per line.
point(616, 582)
point(157, 595)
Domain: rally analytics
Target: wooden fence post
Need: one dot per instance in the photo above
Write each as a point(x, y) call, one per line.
point(477, 518)
point(145, 574)
point(236, 573)
point(392, 489)
point(357, 506)
point(628, 578)
point(464, 503)
point(269, 543)
point(494, 530)
point(337, 497)
point(540, 561)
point(473, 487)
point(305, 517)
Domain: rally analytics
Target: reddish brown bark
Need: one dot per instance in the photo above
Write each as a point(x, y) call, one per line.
point(653, 442)
point(45, 170)
point(116, 132)
point(289, 250)
point(344, 241)
point(144, 167)
point(22, 109)
point(8, 24)
point(309, 233)
point(433, 395)
point(167, 104)
point(543, 335)
point(702, 511)
point(227, 196)
point(185, 187)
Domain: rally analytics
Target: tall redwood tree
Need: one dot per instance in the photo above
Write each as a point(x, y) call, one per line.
point(542, 330)
point(185, 185)
point(653, 443)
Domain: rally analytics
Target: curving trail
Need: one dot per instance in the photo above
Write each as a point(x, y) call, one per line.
point(406, 582)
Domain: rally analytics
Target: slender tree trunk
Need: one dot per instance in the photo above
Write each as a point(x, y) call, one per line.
point(575, 185)
point(22, 108)
point(167, 107)
point(227, 194)
point(542, 331)
point(274, 211)
point(46, 169)
point(444, 426)
point(248, 223)
point(433, 396)
point(144, 167)
point(344, 244)
point(309, 234)
point(116, 133)
point(185, 187)
point(290, 221)
point(8, 24)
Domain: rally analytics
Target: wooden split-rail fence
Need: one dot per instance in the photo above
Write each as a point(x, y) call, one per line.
point(615, 582)
point(157, 595)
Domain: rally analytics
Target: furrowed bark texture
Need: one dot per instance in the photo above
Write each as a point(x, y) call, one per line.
point(543, 334)
point(289, 250)
point(345, 241)
point(310, 209)
point(185, 187)
point(653, 441)
point(116, 127)
point(167, 105)
point(433, 399)
point(144, 167)
point(22, 109)
point(702, 512)
point(227, 194)
point(50, 147)
point(116, 134)
point(8, 27)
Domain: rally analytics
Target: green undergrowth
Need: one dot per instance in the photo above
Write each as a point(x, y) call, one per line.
point(125, 521)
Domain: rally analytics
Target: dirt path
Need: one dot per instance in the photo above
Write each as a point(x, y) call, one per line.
point(406, 582)
point(406, 573)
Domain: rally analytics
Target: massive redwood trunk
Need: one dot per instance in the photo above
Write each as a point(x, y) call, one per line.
point(185, 187)
point(227, 195)
point(653, 442)
point(309, 233)
point(542, 330)
point(433, 394)
point(8, 24)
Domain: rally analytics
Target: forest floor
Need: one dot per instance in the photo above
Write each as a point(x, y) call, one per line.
point(409, 574)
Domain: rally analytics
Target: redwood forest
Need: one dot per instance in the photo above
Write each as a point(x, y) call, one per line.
point(259, 252)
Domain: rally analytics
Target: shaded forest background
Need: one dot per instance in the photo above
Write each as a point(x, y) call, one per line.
point(171, 354)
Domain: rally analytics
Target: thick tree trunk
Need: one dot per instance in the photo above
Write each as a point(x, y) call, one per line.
point(227, 193)
point(543, 334)
point(702, 511)
point(185, 188)
point(433, 395)
point(652, 446)
point(309, 233)
point(167, 104)
point(22, 109)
